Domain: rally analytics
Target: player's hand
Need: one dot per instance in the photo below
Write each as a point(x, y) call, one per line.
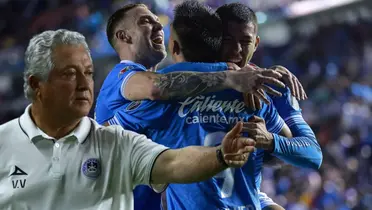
point(250, 80)
point(232, 66)
point(236, 149)
point(291, 81)
point(252, 101)
point(257, 130)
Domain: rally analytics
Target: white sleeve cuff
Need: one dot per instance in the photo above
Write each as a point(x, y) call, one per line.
point(158, 188)
point(125, 80)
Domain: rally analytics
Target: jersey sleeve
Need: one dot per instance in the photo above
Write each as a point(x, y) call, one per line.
point(274, 122)
point(287, 105)
point(123, 78)
point(111, 95)
point(143, 154)
point(303, 150)
point(115, 89)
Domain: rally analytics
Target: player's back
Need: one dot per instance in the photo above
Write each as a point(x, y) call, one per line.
point(215, 113)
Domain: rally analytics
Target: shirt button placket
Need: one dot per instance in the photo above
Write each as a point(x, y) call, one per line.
point(56, 162)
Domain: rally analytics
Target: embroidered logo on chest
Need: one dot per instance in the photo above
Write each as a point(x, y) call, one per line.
point(91, 168)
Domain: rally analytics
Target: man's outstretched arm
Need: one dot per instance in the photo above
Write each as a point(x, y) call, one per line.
point(197, 163)
point(175, 85)
point(153, 164)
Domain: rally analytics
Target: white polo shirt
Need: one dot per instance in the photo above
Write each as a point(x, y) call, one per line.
point(94, 167)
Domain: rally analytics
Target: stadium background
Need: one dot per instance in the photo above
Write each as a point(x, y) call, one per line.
point(326, 43)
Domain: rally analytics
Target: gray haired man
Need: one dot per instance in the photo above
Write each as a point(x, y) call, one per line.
point(55, 157)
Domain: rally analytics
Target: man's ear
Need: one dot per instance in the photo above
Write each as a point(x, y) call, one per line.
point(123, 36)
point(176, 47)
point(35, 84)
point(257, 42)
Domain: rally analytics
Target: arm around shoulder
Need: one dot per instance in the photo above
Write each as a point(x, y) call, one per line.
point(140, 86)
point(173, 85)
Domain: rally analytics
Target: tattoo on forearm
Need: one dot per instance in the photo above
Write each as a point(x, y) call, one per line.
point(178, 85)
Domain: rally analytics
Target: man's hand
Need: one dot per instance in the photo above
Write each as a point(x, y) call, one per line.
point(291, 81)
point(252, 101)
point(232, 66)
point(257, 130)
point(236, 149)
point(249, 80)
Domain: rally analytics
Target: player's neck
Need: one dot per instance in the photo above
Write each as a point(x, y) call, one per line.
point(131, 55)
point(126, 53)
point(50, 124)
point(127, 57)
point(136, 60)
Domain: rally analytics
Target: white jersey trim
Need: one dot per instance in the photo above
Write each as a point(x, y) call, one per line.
point(122, 88)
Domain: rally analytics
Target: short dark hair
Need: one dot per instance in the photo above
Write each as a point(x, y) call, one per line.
point(116, 18)
point(237, 12)
point(198, 28)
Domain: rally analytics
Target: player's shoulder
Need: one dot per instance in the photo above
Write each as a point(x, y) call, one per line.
point(123, 67)
point(120, 70)
point(118, 74)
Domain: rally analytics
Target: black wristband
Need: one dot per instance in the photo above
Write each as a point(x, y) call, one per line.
point(220, 158)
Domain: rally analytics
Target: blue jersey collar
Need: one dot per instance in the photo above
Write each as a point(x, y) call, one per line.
point(132, 63)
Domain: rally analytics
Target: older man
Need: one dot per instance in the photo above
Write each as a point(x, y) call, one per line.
point(55, 157)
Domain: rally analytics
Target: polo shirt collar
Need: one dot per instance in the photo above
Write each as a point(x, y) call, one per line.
point(81, 132)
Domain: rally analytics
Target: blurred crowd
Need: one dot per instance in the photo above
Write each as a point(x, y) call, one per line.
point(333, 63)
point(335, 67)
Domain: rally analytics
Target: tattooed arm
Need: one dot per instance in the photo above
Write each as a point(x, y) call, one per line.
point(176, 85)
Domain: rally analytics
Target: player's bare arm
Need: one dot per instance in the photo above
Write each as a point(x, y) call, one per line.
point(176, 85)
point(195, 163)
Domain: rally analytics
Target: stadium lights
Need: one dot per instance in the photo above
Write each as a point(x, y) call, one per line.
point(308, 7)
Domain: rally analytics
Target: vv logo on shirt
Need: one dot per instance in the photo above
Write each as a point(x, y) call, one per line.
point(18, 183)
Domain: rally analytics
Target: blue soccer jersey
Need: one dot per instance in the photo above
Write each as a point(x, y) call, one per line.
point(302, 150)
point(200, 120)
point(110, 99)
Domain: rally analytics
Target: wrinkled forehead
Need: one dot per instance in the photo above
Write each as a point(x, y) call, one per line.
point(65, 55)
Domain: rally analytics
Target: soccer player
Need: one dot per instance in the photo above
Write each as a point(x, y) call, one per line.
point(240, 40)
point(55, 157)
